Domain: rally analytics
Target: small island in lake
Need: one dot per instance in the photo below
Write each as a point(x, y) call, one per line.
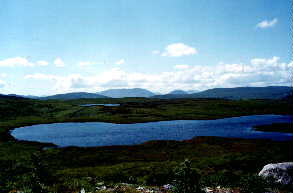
point(275, 127)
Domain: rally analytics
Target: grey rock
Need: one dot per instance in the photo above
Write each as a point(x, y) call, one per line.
point(168, 187)
point(280, 172)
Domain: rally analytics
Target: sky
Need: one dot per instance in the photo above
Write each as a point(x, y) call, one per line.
point(51, 46)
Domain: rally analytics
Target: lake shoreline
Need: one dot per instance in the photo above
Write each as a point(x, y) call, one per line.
point(192, 128)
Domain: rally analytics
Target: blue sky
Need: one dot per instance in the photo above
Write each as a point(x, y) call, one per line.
point(52, 46)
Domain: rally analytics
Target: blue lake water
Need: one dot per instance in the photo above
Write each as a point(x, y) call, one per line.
point(104, 134)
point(106, 105)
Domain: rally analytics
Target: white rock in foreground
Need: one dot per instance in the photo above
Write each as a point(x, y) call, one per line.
point(281, 172)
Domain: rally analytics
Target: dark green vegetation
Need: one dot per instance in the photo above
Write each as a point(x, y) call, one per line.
point(276, 127)
point(218, 160)
point(186, 179)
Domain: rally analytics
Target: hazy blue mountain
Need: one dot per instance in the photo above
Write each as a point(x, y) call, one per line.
point(31, 96)
point(10, 96)
point(74, 95)
point(24, 96)
point(270, 92)
point(181, 92)
point(121, 93)
point(15, 96)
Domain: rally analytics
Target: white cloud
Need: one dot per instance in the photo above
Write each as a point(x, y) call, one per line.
point(17, 61)
point(264, 72)
point(183, 66)
point(119, 62)
point(21, 61)
point(267, 23)
point(268, 61)
point(179, 49)
point(59, 62)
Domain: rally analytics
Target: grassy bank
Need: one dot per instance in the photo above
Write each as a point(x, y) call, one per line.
point(220, 161)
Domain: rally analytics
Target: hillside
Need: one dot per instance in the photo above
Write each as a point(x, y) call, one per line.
point(10, 96)
point(75, 95)
point(271, 92)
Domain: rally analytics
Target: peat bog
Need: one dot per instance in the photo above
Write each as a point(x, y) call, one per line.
point(150, 163)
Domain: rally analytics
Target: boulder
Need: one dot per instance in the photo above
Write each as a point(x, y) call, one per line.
point(168, 187)
point(280, 172)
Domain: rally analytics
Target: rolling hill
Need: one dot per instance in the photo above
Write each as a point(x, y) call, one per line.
point(10, 96)
point(270, 92)
point(74, 95)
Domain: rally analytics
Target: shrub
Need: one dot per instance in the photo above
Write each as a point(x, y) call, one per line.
point(186, 179)
point(157, 177)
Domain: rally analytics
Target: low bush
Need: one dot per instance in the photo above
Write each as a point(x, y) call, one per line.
point(186, 179)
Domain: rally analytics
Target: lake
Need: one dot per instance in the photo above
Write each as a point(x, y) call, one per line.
point(104, 134)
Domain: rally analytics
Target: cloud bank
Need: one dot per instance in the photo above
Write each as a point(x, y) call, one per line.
point(21, 61)
point(259, 72)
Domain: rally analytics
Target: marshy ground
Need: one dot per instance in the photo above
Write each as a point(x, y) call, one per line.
point(218, 160)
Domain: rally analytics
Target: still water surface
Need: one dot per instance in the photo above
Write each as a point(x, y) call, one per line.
point(104, 134)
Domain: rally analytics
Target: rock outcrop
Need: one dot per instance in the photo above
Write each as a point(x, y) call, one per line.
point(280, 173)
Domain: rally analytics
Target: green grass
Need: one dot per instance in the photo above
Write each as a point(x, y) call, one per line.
point(152, 163)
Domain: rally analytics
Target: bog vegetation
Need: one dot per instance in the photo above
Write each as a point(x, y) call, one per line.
point(212, 161)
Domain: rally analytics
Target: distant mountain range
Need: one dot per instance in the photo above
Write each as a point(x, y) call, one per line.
point(2, 96)
point(182, 92)
point(121, 93)
point(74, 95)
point(271, 92)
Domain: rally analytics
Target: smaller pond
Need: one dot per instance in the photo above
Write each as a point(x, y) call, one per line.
point(105, 105)
point(104, 134)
